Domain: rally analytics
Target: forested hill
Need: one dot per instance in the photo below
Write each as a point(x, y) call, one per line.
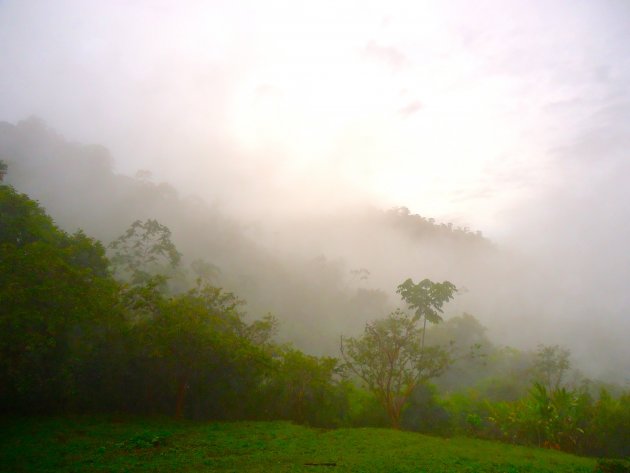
point(329, 276)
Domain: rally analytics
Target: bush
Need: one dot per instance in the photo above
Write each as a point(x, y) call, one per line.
point(365, 410)
point(305, 389)
point(612, 466)
point(425, 413)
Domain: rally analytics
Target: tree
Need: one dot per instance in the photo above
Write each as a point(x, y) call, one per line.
point(390, 358)
point(426, 298)
point(305, 389)
point(3, 169)
point(55, 299)
point(550, 366)
point(205, 271)
point(201, 356)
point(23, 221)
point(143, 251)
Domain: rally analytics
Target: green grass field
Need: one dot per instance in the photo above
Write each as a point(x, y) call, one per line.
point(75, 445)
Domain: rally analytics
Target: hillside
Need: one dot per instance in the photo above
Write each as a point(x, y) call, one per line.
point(115, 446)
point(320, 276)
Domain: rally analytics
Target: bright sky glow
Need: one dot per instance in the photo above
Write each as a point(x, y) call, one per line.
point(449, 108)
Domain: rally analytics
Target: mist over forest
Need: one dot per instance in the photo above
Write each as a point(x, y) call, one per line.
point(329, 273)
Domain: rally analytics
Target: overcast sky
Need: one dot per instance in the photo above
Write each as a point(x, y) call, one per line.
point(459, 110)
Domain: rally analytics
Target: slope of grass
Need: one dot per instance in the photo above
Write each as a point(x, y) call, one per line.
point(99, 445)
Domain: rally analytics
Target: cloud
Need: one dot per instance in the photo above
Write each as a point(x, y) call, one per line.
point(387, 54)
point(411, 108)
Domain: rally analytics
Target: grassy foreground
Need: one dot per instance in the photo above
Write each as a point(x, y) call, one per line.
point(75, 445)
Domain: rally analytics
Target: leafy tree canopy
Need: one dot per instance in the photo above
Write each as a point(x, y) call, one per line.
point(551, 365)
point(55, 295)
point(391, 361)
point(145, 249)
point(426, 298)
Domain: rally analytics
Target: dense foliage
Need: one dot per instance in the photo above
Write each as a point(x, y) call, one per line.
point(584, 418)
point(74, 339)
point(56, 302)
point(572, 420)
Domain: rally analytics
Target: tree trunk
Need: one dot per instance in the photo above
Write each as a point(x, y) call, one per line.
point(394, 414)
point(396, 411)
point(181, 398)
point(396, 423)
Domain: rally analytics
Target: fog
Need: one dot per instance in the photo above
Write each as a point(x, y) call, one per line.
point(298, 125)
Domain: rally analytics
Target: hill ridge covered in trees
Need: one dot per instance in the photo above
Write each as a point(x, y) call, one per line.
point(77, 185)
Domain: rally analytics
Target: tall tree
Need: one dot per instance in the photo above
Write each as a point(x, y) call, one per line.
point(391, 360)
point(426, 299)
point(391, 357)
